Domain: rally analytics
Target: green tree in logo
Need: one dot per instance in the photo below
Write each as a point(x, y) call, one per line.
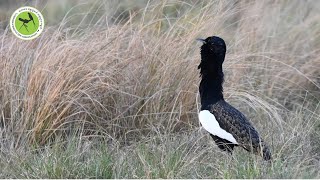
point(27, 23)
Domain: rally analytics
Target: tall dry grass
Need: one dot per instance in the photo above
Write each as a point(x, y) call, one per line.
point(131, 75)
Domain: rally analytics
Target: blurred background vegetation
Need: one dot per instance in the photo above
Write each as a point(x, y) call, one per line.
point(117, 11)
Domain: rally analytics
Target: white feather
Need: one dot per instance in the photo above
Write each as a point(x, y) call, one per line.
point(209, 123)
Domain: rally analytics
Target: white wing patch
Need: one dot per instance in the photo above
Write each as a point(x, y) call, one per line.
point(209, 123)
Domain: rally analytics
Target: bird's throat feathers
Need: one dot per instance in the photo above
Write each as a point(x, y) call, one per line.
point(211, 89)
point(211, 63)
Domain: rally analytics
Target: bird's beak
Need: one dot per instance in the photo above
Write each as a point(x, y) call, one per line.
point(201, 40)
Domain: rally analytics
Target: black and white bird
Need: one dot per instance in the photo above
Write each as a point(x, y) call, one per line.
point(227, 126)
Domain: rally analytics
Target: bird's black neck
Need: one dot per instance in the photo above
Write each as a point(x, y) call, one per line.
point(211, 90)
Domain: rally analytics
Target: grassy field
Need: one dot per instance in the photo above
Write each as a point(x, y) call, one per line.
point(110, 89)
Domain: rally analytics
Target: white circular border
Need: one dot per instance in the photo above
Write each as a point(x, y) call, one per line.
point(31, 36)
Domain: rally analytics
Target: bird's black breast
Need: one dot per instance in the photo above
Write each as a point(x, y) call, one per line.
point(234, 122)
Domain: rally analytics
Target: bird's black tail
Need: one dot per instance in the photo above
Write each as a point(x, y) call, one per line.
point(260, 149)
point(265, 151)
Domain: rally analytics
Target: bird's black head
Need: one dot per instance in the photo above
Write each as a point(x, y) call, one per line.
point(213, 44)
point(213, 52)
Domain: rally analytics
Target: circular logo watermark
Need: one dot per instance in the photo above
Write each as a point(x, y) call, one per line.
point(27, 23)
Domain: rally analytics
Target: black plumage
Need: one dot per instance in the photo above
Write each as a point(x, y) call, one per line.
point(229, 118)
